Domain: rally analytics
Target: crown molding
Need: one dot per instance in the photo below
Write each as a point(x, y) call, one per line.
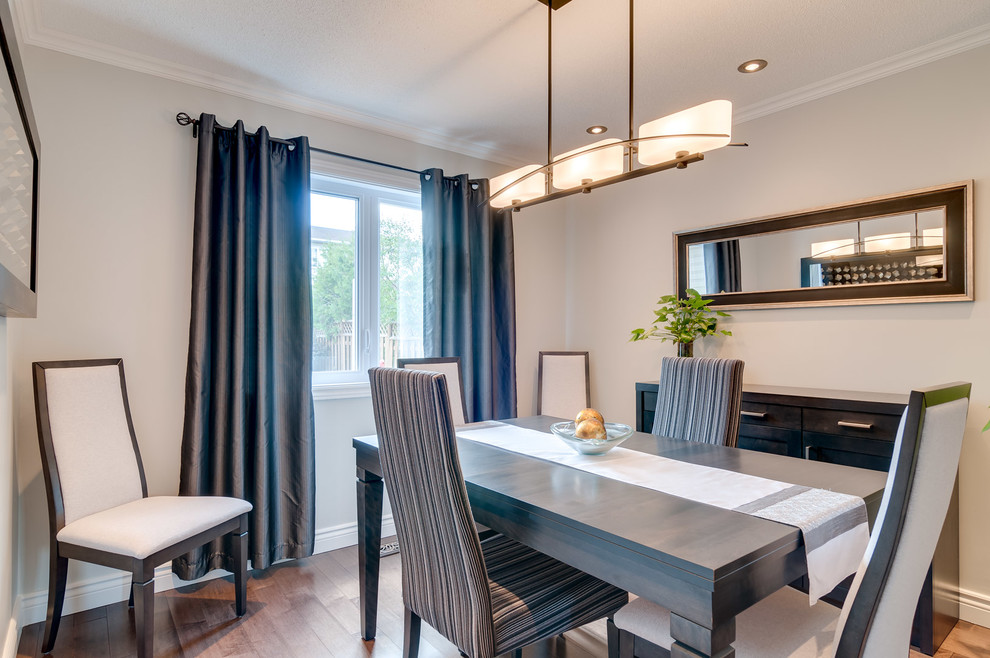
point(972, 38)
point(30, 30)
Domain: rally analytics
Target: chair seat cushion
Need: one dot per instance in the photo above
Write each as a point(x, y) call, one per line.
point(535, 596)
point(783, 624)
point(147, 525)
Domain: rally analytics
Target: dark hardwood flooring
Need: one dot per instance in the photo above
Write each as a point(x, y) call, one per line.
point(305, 608)
point(309, 608)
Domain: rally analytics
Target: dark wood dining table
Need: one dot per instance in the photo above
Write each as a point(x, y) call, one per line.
point(704, 563)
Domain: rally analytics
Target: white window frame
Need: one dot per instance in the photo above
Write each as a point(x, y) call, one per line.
point(331, 175)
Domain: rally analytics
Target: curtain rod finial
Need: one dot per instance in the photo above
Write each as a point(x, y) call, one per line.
point(184, 119)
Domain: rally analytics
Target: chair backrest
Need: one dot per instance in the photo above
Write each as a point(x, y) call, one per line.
point(876, 618)
point(444, 579)
point(451, 367)
point(699, 399)
point(564, 385)
point(90, 453)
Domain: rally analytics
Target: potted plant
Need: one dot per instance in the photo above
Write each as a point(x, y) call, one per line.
point(682, 321)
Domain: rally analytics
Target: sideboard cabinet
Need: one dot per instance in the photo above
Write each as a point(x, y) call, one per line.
point(854, 429)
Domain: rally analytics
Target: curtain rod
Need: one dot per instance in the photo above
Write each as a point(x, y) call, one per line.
point(184, 119)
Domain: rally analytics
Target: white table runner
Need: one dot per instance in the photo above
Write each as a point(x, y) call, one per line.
point(834, 525)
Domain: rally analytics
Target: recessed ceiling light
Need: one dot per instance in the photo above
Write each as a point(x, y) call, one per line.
point(597, 130)
point(752, 66)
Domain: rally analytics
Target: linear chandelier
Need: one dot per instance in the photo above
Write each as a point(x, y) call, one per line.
point(670, 142)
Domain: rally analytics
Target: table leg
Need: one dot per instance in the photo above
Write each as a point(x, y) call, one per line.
point(369, 522)
point(692, 640)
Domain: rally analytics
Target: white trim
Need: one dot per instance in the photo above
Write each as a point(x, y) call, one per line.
point(345, 534)
point(973, 38)
point(342, 391)
point(337, 167)
point(113, 587)
point(31, 30)
point(13, 631)
point(974, 607)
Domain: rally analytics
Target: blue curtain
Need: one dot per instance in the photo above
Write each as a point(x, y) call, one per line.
point(469, 290)
point(723, 270)
point(248, 428)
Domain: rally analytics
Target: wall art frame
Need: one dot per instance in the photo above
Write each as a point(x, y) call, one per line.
point(19, 182)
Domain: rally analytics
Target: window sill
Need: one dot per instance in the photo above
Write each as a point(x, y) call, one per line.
point(346, 391)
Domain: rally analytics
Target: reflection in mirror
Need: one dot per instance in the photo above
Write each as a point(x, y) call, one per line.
point(905, 247)
point(877, 246)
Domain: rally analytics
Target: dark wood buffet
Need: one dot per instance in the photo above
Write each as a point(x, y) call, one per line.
point(851, 428)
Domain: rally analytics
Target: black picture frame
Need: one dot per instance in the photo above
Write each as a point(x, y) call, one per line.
point(955, 285)
point(18, 297)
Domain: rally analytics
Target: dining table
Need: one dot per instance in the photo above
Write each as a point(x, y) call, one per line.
point(706, 564)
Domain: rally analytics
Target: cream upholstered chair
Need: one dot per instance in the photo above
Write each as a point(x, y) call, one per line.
point(875, 620)
point(487, 597)
point(564, 385)
point(699, 399)
point(98, 504)
point(450, 366)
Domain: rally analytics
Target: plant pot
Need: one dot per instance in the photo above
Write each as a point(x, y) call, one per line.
point(685, 349)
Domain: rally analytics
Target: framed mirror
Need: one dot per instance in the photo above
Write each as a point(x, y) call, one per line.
point(911, 247)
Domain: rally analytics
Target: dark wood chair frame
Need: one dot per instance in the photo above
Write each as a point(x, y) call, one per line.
point(404, 363)
point(864, 607)
point(142, 590)
point(587, 379)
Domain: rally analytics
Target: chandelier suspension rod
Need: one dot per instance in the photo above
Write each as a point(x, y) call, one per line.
point(549, 89)
point(631, 81)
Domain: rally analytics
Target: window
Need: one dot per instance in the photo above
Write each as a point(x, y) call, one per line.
point(367, 268)
point(696, 269)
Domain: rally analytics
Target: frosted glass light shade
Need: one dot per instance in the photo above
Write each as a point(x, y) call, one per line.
point(531, 188)
point(931, 237)
point(831, 248)
point(711, 118)
point(589, 167)
point(887, 242)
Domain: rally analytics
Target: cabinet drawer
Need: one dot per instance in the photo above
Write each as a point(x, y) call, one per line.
point(879, 427)
point(770, 415)
point(848, 451)
point(776, 440)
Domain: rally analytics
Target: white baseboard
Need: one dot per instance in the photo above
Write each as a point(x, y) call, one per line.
point(112, 588)
point(13, 637)
point(345, 534)
point(974, 607)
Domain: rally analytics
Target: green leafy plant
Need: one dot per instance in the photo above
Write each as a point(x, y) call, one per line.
point(682, 320)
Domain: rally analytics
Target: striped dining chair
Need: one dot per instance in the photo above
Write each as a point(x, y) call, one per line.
point(699, 399)
point(875, 621)
point(487, 597)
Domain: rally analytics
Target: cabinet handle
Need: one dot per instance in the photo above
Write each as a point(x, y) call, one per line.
point(753, 414)
point(858, 426)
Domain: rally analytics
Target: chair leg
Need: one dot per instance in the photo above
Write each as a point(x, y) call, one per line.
point(410, 634)
point(240, 573)
point(59, 569)
point(144, 617)
point(621, 644)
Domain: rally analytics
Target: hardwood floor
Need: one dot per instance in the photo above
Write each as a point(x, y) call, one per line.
point(309, 608)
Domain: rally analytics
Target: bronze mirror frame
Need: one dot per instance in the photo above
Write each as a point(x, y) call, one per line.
point(956, 284)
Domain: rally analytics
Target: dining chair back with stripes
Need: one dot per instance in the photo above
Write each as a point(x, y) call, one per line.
point(699, 399)
point(487, 597)
point(876, 619)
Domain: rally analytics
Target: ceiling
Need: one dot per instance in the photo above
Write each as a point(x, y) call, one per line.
point(470, 75)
